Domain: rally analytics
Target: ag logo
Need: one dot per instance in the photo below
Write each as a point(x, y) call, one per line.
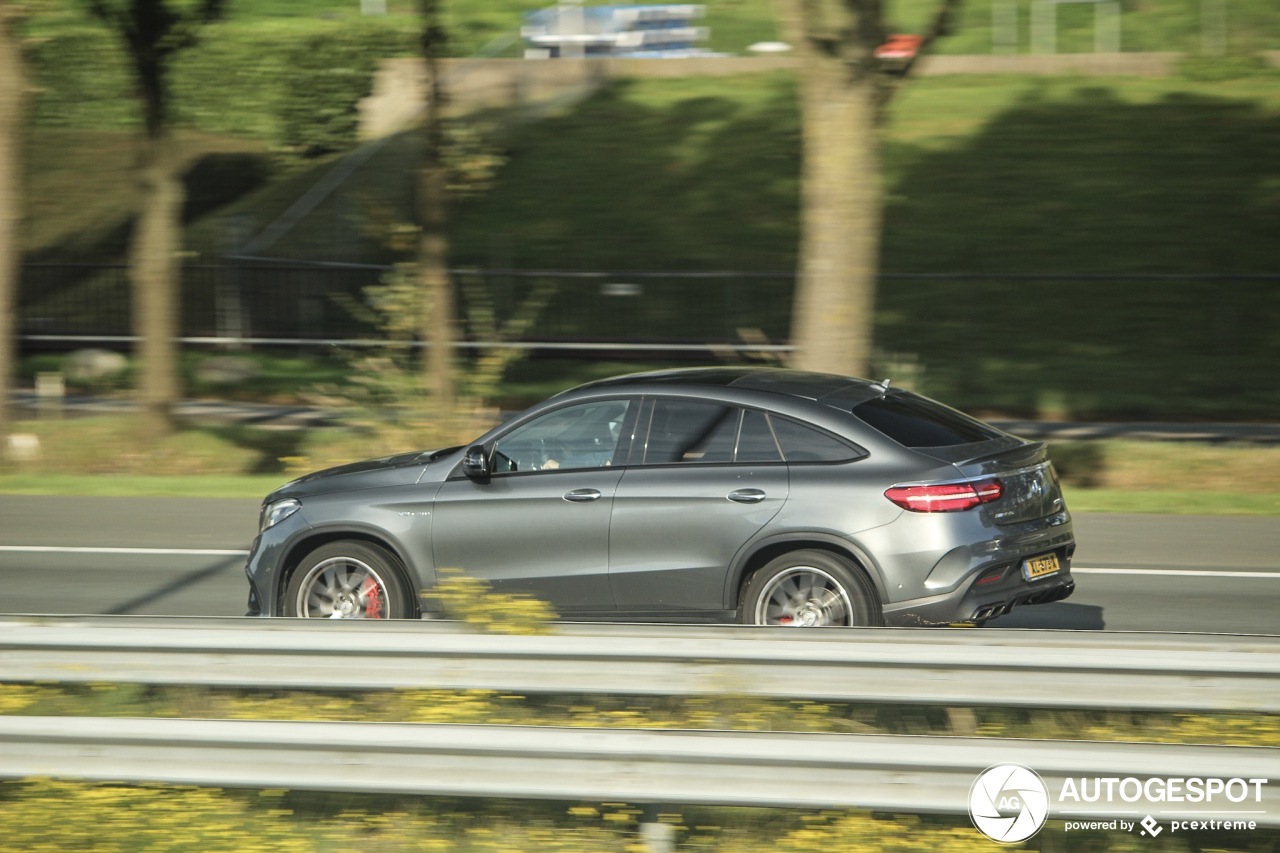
point(1008, 803)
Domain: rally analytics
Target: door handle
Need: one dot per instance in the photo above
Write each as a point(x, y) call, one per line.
point(583, 495)
point(747, 496)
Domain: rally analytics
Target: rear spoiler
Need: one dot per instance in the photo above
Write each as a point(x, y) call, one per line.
point(1026, 451)
point(1033, 450)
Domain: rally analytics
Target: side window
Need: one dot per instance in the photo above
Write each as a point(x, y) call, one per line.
point(755, 441)
point(802, 443)
point(581, 436)
point(691, 431)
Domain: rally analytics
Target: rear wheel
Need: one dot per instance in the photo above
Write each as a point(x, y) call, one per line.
point(810, 589)
point(348, 580)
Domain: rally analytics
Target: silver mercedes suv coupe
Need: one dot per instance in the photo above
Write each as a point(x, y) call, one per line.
point(758, 495)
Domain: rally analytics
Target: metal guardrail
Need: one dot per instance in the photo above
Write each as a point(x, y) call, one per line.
point(902, 774)
point(1013, 668)
point(891, 773)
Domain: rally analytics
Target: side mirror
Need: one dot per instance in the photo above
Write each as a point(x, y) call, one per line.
point(475, 464)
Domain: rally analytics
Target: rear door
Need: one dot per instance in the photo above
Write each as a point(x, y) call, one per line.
point(703, 478)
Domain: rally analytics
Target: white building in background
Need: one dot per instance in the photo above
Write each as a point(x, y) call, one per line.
point(571, 29)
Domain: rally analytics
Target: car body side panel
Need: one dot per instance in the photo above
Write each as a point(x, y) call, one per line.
point(845, 501)
point(675, 530)
point(522, 534)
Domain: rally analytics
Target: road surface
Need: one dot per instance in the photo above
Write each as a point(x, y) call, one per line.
point(185, 557)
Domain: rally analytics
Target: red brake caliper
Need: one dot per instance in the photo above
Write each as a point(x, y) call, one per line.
point(371, 594)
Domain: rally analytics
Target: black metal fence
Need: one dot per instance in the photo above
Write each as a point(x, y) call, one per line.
point(1072, 316)
point(232, 301)
point(282, 302)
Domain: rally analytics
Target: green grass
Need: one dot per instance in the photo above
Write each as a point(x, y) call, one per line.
point(1110, 177)
point(1009, 175)
point(134, 485)
point(80, 190)
point(1172, 502)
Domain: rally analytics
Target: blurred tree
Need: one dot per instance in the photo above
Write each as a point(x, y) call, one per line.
point(845, 88)
point(12, 104)
point(437, 329)
point(152, 33)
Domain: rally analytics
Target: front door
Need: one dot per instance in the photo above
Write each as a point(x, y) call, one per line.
point(545, 534)
point(540, 525)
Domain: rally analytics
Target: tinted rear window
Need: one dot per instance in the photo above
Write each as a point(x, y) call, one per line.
point(802, 443)
point(915, 421)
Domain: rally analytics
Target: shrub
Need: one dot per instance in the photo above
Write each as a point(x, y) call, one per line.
point(297, 89)
point(82, 80)
point(326, 76)
point(1215, 69)
point(471, 600)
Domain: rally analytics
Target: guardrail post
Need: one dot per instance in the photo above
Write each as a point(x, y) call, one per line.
point(656, 836)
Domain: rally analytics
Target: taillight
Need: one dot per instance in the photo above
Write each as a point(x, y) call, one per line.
point(946, 497)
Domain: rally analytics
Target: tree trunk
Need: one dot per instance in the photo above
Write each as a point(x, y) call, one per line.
point(438, 328)
point(833, 318)
point(156, 273)
point(155, 245)
point(12, 92)
point(152, 32)
point(844, 93)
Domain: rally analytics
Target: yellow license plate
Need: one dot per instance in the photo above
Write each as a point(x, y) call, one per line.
point(1039, 567)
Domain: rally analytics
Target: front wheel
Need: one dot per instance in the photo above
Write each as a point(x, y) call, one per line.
point(347, 580)
point(810, 589)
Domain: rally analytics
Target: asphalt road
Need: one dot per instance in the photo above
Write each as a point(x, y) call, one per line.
point(171, 557)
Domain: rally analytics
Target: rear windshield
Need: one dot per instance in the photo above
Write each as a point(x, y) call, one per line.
point(915, 421)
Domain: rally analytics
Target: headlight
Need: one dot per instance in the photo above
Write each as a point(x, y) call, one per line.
point(274, 513)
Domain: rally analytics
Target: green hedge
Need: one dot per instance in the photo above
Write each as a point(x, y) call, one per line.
point(295, 89)
point(82, 81)
point(327, 75)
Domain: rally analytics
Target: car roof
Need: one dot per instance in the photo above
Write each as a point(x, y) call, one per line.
point(841, 392)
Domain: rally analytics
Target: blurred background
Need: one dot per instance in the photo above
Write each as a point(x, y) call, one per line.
point(1080, 208)
point(1081, 203)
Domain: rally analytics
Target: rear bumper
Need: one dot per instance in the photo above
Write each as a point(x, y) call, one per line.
point(968, 607)
point(1046, 595)
point(974, 602)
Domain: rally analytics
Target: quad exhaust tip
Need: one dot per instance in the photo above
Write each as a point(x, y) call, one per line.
point(991, 611)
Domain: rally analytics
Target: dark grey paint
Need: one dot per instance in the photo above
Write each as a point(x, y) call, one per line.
point(681, 540)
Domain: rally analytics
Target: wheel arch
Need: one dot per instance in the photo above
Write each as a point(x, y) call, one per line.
point(299, 550)
point(761, 553)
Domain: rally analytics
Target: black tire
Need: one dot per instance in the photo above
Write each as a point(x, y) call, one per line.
point(348, 580)
point(810, 589)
